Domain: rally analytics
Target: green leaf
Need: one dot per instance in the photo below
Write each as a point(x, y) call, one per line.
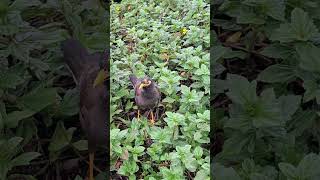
point(202, 175)
point(191, 164)
point(309, 57)
point(128, 168)
point(13, 118)
point(27, 129)
point(308, 167)
point(4, 8)
point(241, 91)
point(9, 79)
point(172, 173)
point(277, 73)
point(78, 178)
point(23, 4)
point(21, 51)
point(61, 137)
point(302, 25)
point(73, 19)
point(9, 148)
point(261, 112)
point(198, 152)
point(174, 119)
point(302, 121)
point(312, 91)
point(203, 70)
point(48, 37)
point(39, 98)
point(272, 8)
point(283, 34)
point(39, 64)
point(301, 28)
point(69, 105)
point(137, 150)
point(234, 144)
point(24, 159)
point(277, 51)
point(288, 170)
point(81, 145)
point(221, 172)
point(217, 52)
point(289, 105)
point(267, 112)
point(248, 16)
point(226, 24)
point(275, 9)
point(232, 8)
point(21, 176)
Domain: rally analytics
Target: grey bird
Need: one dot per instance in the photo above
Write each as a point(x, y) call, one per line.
point(147, 94)
point(94, 104)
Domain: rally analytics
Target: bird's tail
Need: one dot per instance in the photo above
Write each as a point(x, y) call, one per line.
point(75, 56)
point(133, 79)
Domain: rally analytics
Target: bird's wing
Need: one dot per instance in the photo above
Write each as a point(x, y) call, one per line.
point(83, 116)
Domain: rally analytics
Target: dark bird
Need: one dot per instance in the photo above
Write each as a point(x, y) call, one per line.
point(147, 94)
point(90, 73)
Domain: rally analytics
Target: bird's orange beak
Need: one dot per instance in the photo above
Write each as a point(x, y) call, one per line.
point(144, 83)
point(101, 77)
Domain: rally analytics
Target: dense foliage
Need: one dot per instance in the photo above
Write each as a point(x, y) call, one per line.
point(168, 41)
point(40, 134)
point(266, 58)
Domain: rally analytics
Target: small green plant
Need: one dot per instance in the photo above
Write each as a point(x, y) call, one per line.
point(38, 98)
point(11, 156)
point(266, 76)
point(168, 41)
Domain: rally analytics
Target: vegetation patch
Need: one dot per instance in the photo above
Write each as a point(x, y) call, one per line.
point(168, 41)
point(266, 89)
point(40, 132)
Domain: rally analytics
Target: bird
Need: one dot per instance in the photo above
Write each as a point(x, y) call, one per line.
point(147, 94)
point(90, 74)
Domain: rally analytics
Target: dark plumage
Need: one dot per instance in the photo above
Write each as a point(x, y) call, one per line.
point(147, 94)
point(94, 111)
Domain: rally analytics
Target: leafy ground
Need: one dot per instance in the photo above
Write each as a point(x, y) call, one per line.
point(40, 133)
point(168, 41)
point(266, 58)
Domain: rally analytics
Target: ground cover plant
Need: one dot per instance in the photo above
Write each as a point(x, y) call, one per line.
point(169, 42)
point(266, 59)
point(40, 134)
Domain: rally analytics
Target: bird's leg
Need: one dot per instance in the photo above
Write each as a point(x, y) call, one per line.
point(138, 115)
point(91, 158)
point(152, 118)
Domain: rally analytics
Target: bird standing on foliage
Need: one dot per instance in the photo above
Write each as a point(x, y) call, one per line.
point(147, 94)
point(90, 72)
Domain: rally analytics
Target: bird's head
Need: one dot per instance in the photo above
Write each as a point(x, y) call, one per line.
point(103, 74)
point(146, 82)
